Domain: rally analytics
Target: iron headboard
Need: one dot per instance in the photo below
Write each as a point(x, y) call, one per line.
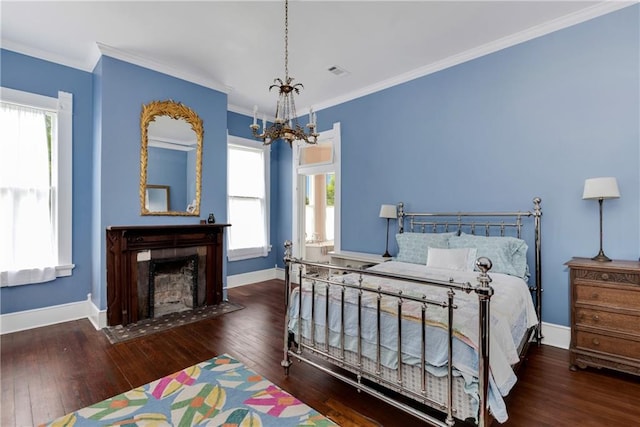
point(442, 222)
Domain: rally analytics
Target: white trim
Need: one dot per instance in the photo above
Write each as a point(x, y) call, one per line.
point(297, 174)
point(557, 24)
point(97, 317)
point(251, 277)
point(85, 65)
point(151, 64)
point(29, 99)
point(556, 335)
point(64, 181)
point(595, 11)
point(36, 318)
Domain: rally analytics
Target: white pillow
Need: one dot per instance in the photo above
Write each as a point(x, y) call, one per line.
point(461, 259)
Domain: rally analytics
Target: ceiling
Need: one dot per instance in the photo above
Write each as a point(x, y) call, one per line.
point(238, 46)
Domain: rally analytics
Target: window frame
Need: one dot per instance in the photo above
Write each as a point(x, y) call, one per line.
point(62, 169)
point(256, 252)
point(298, 172)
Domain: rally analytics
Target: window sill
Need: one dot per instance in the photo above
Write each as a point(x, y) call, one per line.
point(248, 253)
point(61, 271)
point(64, 270)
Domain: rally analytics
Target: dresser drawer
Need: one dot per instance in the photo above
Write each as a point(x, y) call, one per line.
point(622, 297)
point(608, 276)
point(606, 344)
point(626, 323)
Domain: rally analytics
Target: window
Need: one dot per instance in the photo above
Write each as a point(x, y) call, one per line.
point(35, 187)
point(248, 199)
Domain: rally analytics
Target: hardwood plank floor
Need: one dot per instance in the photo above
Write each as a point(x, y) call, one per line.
point(48, 372)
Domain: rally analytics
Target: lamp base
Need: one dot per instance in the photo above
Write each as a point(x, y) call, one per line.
point(387, 255)
point(601, 257)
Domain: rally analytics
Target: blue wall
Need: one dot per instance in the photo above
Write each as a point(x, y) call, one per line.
point(106, 158)
point(535, 119)
point(125, 88)
point(45, 78)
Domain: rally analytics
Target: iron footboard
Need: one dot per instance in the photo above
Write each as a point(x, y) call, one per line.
point(318, 292)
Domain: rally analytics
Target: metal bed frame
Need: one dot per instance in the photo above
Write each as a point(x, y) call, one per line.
point(422, 222)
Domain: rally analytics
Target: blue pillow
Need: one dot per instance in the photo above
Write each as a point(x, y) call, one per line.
point(414, 247)
point(508, 254)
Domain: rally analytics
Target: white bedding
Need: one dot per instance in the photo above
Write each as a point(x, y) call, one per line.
point(512, 313)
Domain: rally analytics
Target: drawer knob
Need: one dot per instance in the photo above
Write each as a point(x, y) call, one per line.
point(596, 317)
point(596, 341)
point(605, 276)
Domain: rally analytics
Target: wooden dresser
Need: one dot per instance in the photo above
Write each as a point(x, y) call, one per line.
point(605, 314)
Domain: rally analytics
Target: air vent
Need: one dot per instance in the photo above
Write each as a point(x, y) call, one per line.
point(340, 72)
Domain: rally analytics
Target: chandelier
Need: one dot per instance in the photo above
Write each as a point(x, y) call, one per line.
point(285, 126)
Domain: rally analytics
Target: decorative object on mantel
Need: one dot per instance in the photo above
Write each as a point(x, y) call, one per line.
point(211, 219)
point(388, 212)
point(600, 189)
point(285, 125)
point(145, 327)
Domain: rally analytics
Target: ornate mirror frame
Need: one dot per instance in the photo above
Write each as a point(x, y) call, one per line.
point(175, 110)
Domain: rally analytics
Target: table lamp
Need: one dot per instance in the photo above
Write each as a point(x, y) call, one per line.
point(388, 212)
point(600, 189)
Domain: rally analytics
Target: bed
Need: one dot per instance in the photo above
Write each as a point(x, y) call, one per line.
point(443, 326)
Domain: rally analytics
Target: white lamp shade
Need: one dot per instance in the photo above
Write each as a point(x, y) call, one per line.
point(388, 211)
point(601, 188)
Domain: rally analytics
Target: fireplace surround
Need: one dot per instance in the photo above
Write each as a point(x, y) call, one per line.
point(127, 246)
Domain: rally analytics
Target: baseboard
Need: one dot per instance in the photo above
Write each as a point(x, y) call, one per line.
point(251, 277)
point(29, 319)
point(36, 318)
point(556, 335)
point(97, 317)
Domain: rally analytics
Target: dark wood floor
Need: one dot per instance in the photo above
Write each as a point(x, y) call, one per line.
point(48, 372)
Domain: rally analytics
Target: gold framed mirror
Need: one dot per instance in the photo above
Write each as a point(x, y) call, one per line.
point(170, 158)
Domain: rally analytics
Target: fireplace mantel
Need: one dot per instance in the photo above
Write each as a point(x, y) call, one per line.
point(124, 243)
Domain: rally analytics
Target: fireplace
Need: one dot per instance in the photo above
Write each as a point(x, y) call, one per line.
point(183, 261)
point(171, 280)
point(172, 285)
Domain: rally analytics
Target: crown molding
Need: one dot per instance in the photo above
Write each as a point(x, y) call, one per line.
point(100, 49)
point(83, 65)
point(557, 24)
point(240, 110)
point(162, 68)
point(247, 112)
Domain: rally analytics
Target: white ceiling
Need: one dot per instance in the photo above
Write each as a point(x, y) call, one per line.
point(238, 46)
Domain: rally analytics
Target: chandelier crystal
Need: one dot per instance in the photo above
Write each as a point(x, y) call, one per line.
point(285, 126)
